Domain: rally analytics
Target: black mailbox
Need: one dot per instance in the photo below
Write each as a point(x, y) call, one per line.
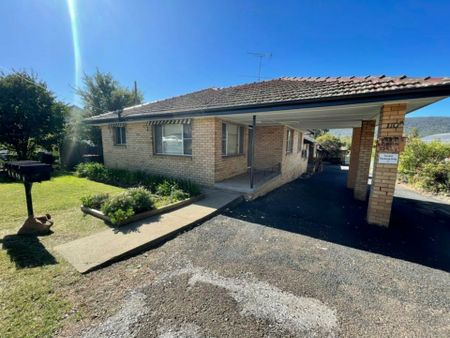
point(29, 172)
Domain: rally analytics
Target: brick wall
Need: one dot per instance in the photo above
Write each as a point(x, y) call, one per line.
point(268, 146)
point(137, 154)
point(385, 175)
point(365, 154)
point(354, 158)
point(292, 164)
point(206, 165)
point(228, 166)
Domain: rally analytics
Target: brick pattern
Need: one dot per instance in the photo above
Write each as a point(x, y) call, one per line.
point(206, 165)
point(354, 158)
point(385, 175)
point(138, 154)
point(292, 164)
point(365, 153)
point(268, 146)
point(228, 166)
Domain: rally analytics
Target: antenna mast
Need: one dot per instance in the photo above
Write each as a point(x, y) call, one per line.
point(135, 93)
point(260, 55)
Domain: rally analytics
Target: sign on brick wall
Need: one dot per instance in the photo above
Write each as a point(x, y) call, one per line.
point(388, 158)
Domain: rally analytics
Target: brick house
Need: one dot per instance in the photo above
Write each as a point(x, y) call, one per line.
point(254, 133)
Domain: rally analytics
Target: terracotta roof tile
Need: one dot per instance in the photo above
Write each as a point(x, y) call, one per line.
point(282, 90)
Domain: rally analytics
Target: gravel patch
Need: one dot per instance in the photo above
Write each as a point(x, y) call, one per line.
point(287, 267)
point(187, 330)
point(119, 325)
point(298, 315)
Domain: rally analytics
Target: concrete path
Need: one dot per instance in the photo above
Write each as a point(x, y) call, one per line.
point(94, 251)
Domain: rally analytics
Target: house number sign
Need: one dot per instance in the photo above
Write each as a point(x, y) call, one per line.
point(387, 158)
point(394, 125)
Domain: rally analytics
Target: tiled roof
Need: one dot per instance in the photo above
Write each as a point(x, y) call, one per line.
point(278, 91)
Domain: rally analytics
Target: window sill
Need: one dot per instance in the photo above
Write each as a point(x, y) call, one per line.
point(120, 145)
point(231, 156)
point(173, 155)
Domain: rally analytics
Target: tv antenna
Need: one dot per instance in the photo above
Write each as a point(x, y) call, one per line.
point(261, 56)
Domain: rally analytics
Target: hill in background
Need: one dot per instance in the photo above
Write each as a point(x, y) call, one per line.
point(425, 126)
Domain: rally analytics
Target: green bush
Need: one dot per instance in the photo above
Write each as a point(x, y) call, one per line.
point(424, 164)
point(435, 177)
point(142, 199)
point(178, 195)
point(165, 188)
point(94, 201)
point(124, 205)
point(93, 171)
point(120, 215)
point(125, 178)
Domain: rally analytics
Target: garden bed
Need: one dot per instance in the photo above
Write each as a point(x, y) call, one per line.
point(145, 214)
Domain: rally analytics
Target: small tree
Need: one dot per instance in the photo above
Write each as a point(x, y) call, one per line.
point(30, 115)
point(331, 144)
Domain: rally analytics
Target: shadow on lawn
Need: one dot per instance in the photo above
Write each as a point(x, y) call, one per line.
point(27, 251)
point(322, 207)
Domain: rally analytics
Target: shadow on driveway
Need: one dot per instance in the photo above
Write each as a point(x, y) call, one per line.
point(322, 207)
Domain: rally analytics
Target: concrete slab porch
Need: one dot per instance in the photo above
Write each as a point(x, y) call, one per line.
point(110, 245)
point(241, 183)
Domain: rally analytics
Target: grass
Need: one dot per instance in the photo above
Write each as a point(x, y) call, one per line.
point(32, 275)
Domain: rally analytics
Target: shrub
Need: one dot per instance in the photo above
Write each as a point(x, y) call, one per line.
point(424, 164)
point(418, 153)
point(120, 215)
point(94, 201)
point(178, 195)
point(142, 199)
point(435, 177)
point(165, 188)
point(126, 204)
point(93, 171)
point(126, 178)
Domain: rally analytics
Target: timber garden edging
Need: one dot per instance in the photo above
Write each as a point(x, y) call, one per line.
point(145, 214)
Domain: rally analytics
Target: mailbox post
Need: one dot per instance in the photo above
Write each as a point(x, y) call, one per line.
point(29, 172)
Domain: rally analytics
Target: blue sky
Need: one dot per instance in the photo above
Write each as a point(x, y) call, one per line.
point(174, 47)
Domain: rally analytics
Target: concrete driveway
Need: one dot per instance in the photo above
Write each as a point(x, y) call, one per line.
point(291, 266)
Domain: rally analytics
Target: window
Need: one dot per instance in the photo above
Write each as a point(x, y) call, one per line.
point(299, 142)
point(232, 139)
point(290, 141)
point(120, 136)
point(305, 151)
point(173, 139)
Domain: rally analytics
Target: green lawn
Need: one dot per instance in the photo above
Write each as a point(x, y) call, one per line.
point(31, 273)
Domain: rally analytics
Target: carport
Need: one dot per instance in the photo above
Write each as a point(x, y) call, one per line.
point(358, 103)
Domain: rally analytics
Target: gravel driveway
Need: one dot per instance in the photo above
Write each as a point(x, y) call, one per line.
point(273, 268)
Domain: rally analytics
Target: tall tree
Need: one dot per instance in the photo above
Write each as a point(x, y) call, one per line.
point(30, 115)
point(100, 94)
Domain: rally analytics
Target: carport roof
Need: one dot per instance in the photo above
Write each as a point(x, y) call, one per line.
point(295, 92)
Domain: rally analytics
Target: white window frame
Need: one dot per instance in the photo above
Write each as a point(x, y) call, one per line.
point(290, 149)
point(162, 135)
point(239, 141)
point(118, 133)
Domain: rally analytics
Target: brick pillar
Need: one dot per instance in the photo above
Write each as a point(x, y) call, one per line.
point(354, 158)
point(365, 153)
point(389, 146)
